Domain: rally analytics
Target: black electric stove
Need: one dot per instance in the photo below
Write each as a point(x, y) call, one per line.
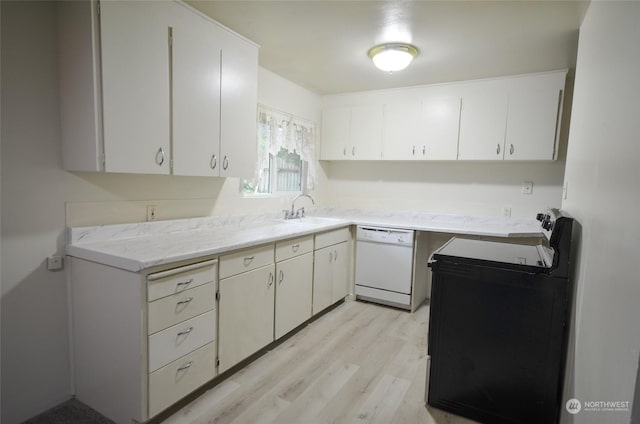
point(497, 326)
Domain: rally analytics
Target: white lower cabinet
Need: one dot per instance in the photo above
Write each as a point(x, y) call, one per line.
point(294, 287)
point(246, 308)
point(142, 341)
point(331, 266)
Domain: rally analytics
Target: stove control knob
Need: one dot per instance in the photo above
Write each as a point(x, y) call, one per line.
point(540, 216)
point(547, 225)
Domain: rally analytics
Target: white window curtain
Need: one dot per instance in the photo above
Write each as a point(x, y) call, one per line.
point(289, 132)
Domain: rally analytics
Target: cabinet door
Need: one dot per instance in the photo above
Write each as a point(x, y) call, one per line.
point(366, 133)
point(534, 117)
point(135, 86)
point(239, 102)
point(483, 122)
point(322, 264)
point(246, 315)
point(440, 121)
point(340, 272)
point(196, 95)
point(336, 123)
point(401, 131)
point(294, 289)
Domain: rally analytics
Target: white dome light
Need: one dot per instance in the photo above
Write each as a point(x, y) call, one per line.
point(392, 57)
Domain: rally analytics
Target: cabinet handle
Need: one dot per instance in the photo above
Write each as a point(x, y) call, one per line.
point(185, 366)
point(353, 151)
point(225, 163)
point(498, 150)
point(413, 151)
point(330, 257)
point(281, 276)
point(213, 162)
point(270, 283)
point(344, 151)
point(185, 332)
point(184, 302)
point(160, 157)
point(424, 150)
point(335, 255)
point(295, 247)
point(247, 261)
point(511, 150)
point(184, 283)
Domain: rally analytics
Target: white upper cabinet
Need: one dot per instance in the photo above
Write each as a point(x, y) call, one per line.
point(510, 118)
point(135, 86)
point(336, 127)
point(155, 88)
point(197, 47)
point(533, 120)
point(239, 102)
point(401, 132)
point(483, 122)
point(440, 121)
point(352, 133)
point(366, 133)
point(421, 130)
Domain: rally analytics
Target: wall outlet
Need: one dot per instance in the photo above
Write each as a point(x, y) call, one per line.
point(152, 211)
point(506, 211)
point(527, 187)
point(54, 263)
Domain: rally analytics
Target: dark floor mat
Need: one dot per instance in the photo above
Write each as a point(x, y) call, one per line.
point(70, 412)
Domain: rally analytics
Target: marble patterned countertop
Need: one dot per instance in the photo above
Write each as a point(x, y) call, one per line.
point(138, 246)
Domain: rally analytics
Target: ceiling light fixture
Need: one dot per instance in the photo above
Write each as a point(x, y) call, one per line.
point(393, 56)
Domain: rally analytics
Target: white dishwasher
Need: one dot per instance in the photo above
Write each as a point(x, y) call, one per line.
point(384, 265)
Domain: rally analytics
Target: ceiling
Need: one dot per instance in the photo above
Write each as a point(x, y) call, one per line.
point(323, 45)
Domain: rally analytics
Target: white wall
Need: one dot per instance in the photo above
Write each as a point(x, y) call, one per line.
point(36, 192)
point(602, 176)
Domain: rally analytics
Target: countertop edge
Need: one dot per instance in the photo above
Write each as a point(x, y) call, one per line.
point(86, 252)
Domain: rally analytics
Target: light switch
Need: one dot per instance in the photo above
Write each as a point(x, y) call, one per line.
point(527, 187)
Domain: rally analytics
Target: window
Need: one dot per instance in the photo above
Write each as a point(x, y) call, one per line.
point(285, 146)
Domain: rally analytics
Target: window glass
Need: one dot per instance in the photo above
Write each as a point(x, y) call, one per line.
point(285, 154)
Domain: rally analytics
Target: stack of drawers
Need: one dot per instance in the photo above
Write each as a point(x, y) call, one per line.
point(181, 328)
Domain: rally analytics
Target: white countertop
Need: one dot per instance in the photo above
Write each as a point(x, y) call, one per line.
point(135, 247)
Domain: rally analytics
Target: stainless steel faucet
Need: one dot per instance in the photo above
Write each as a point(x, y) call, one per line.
point(293, 213)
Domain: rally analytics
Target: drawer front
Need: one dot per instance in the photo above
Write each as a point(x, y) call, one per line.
point(245, 260)
point(181, 306)
point(168, 345)
point(332, 237)
point(180, 377)
point(290, 248)
point(165, 283)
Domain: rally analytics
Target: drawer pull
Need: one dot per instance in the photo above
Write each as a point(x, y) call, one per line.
point(295, 247)
point(185, 332)
point(185, 366)
point(184, 302)
point(184, 283)
point(247, 261)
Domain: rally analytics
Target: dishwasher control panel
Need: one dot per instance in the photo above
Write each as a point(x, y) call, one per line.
point(385, 235)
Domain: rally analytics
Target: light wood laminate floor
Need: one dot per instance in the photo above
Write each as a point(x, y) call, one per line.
point(359, 363)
